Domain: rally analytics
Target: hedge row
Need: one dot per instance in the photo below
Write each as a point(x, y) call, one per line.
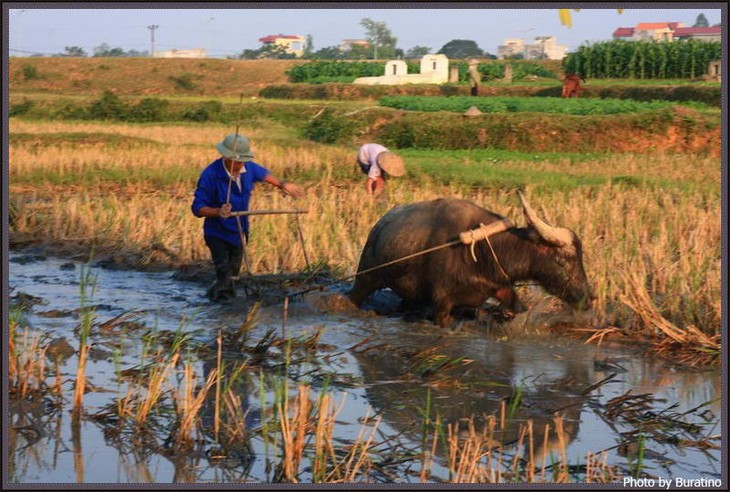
point(348, 70)
point(500, 104)
point(708, 94)
point(689, 130)
point(113, 108)
point(317, 72)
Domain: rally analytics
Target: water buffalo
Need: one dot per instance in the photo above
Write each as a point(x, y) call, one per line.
point(449, 278)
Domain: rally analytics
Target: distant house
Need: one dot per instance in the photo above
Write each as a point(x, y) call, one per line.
point(543, 48)
point(173, 53)
point(348, 44)
point(511, 47)
point(292, 43)
point(701, 33)
point(667, 32)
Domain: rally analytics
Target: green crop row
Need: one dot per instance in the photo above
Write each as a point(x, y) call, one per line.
point(643, 60)
point(574, 106)
point(318, 72)
point(496, 70)
point(337, 71)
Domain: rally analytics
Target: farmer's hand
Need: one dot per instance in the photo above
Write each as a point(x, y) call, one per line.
point(225, 211)
point(292, 190)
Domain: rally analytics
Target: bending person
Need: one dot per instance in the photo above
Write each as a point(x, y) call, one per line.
point(377, 162)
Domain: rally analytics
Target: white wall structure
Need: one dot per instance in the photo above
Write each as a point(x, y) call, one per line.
point(194, 53)
point(396, 67)
point(434, 70)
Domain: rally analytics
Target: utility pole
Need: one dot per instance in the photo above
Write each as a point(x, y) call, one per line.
point(152, 36)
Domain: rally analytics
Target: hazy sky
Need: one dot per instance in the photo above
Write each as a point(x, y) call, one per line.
point(228, 31)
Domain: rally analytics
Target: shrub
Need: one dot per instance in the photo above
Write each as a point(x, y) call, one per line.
point(20, 109)
point(277, 92)
point(204, 111)
point(184, 81)
point(328, 127)
point(30, 72)
point(72, 112)
point(148, 109)
point(109, 107)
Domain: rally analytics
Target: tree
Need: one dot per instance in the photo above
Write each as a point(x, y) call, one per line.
point(701, 21)
point(380, 38)
point(103, 50)
point(308, 47)
point(73, 51)
point(248, 55)
point(417, 52)
point(460, 49)
point(357, 52)
point(138, 54)
point(269, 52)
point(328, 53)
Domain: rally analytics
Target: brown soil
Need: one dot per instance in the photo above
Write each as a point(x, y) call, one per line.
point(147, 76)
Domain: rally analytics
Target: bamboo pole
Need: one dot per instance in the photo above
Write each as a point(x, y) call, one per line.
point(267, 212)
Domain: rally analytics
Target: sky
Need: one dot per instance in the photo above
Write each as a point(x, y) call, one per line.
point(228, 31)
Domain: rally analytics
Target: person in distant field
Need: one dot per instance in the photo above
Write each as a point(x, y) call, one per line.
point(225, 186)
point(475, 78)
point(571, 85)
point(378, 163)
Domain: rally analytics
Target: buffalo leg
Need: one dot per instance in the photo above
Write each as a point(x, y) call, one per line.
point(361, 290)
point(442, 313)
point(508, 299)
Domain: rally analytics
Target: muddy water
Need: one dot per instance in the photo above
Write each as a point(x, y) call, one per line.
point(376, 365)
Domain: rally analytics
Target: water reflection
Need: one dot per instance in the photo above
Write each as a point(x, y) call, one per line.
point(467, 374)
point(405, 377)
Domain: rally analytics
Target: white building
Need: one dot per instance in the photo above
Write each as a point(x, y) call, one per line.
point(434, 70)
point(511, 47)
point(545, 48)
point(173, 53)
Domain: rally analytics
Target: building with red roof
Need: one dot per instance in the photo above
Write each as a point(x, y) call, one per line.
point(292, 43)
point(667, 31)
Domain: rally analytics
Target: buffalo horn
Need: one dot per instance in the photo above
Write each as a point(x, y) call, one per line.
point(557, 236)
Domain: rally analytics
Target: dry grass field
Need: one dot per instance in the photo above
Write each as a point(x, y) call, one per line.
point(146, 76)
point(650, 251)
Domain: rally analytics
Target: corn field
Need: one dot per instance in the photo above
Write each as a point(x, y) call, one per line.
point(621, 59)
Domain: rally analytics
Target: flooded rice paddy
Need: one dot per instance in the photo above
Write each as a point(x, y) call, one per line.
point(395, 384)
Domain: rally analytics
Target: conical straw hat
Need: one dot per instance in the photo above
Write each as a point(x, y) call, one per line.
point(391, 164)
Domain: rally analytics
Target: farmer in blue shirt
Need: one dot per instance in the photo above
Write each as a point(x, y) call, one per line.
point(225, 186)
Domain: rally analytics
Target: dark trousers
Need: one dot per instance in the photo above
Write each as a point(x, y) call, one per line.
point(227, 260)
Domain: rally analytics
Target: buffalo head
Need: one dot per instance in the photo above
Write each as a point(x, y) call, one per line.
point(558, 265)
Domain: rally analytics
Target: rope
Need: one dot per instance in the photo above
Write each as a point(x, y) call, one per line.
point(469, 237)
point(484, 232)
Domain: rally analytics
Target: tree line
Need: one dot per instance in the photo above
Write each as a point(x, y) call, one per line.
point(381, 44)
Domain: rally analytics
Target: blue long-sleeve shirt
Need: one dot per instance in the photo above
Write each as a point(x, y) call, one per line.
point(211, 191)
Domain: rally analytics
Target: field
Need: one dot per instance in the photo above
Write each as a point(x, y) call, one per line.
point(120, 191)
